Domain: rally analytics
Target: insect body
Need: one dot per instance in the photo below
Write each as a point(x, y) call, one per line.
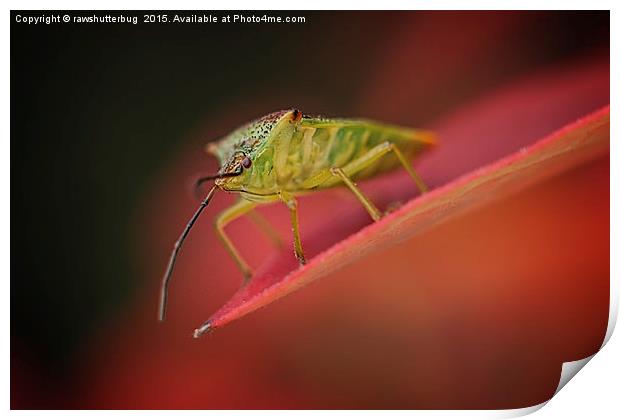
point(285, 154)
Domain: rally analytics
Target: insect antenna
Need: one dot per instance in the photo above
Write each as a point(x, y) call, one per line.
point(199, 181)
point(163, 296)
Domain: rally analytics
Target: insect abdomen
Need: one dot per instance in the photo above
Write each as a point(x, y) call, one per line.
point(324, 145)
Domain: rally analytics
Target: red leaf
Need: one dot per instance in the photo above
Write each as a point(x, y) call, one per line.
point(570, 147)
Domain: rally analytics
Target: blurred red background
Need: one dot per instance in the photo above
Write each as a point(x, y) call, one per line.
point(479, 312)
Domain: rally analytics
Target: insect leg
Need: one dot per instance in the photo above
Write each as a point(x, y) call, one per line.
point(317, 179)
point(368, 205)
point(291, 203)
point(347, 171)
point(412, 173)
point(234, 212)
point(377, 152)
point(266, 227)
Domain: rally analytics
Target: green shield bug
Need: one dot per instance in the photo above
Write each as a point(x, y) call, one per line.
point(286, 154)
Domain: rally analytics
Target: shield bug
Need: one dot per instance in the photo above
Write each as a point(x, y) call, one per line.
point(285, 154)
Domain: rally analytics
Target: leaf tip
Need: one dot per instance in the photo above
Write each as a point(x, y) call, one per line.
point(204, 328)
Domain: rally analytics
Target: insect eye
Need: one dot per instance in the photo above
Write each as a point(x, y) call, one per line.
point(246, 162)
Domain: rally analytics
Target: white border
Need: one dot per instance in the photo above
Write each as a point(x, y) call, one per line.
point(592, 394)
